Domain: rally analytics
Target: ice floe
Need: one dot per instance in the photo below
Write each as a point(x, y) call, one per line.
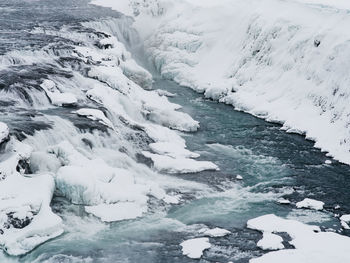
point(214, 232)
point(194, 248)
point(270, 242)
point(311, 245)
point(311, 204)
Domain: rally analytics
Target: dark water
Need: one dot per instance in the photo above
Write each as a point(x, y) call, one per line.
point(273, 164)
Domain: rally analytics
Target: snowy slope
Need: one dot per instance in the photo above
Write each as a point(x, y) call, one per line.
point(285, 61)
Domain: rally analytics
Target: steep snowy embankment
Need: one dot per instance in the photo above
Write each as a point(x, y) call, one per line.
point(285, 61)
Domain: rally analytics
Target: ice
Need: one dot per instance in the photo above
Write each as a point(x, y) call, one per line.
point(179, 165)
point(117, 212)
point(95, 115)
point(215, 232)
point(193, 248)
point(4, 132)
point(311, 245)
point(270, 242)
point(310, 203)
point(56, 97)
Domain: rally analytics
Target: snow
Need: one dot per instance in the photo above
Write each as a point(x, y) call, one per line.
point(310, 203)
point(56, 97)
point(270, 242)
point(95, 115)
point(4, 132)
point(215, 232)
point(193, 248)
point(266, 63)
point(311, 245)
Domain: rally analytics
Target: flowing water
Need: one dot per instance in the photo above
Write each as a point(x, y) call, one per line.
point(273, 164)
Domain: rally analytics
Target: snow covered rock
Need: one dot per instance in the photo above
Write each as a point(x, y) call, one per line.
point(311, 204)
point(193, 248)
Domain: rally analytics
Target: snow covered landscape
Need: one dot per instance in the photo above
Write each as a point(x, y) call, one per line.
point(174, 131)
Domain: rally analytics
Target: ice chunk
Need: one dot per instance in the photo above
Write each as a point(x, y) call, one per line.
point(172, 149)
point(310, 203)
point(193, 248)
point(215, 232)
point(117, 212)
point(178, 165)
point(270, 242)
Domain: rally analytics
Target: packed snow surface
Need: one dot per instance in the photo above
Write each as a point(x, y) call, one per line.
point(194, 248)
point(310, 203)
point(311, 245)
point(284, 61)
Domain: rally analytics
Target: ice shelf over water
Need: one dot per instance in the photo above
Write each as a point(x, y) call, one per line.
point(311, 245)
